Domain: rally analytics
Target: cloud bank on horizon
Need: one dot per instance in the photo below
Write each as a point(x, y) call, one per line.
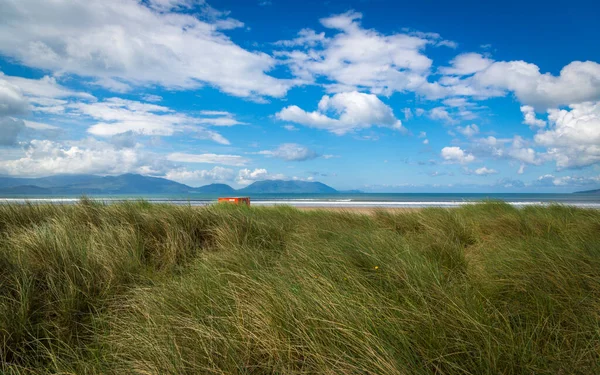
point(182, 90)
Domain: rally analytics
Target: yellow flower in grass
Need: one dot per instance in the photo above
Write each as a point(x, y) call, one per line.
point(376, 268)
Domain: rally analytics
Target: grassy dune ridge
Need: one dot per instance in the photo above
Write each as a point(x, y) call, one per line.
point(157, 289)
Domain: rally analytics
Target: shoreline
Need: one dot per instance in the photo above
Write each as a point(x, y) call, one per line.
point(361, 210)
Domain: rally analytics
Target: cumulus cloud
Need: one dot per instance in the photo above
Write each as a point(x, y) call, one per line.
point(573, 137)
point(124, 140)
point(116, 115)
point(45, 87)
point(120, 115)
point(9, 130)
point(516, 148)
point(468, 130)
point(530, 119)
point(248, 176)
point(355, 58)
point(134, 43)
point(354, 111)
point(234, 160)
point(306, 37)
point(12, 101)
point(551, 180)
point(466, 64)
point(456, 155)
point(520, 151)
point(200, 177)
point(291, 152)
point(484, 171)
point(218, 118)
point(359, 59)
point(88, 156)
point(577, 82)
point(442, 114)
point(152, 98)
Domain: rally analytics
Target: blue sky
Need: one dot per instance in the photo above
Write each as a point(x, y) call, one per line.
point(372, 94)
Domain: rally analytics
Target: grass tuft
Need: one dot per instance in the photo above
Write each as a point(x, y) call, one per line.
point(157, 289)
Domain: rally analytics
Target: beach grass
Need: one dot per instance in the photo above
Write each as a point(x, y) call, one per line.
point(139, 288)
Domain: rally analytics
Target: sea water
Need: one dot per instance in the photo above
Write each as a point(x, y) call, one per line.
point(363, 200)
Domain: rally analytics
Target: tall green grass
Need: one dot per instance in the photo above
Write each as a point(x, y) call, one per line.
point(136, 288)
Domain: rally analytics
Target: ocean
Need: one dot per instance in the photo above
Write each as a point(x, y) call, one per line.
point(363, 200)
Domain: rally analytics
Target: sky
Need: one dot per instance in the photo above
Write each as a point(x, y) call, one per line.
point(376, 95)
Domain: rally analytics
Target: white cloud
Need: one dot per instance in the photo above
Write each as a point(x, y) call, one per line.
point(200, 133)
point(112, 85)
point(234, 160)
point(215, 113)
point(124, 140)
point(152, 98)
point(201, 177)
point(573, 137)
point(120, 115)
point(551, 180)
point(9, 130)
point(422, 134)
point(516, 148)
point(291, 152)
point(576, 83)
point(45, 87)
point(88, 156)
point(468, 130)
point(354, 110)
point(127, 42)
point(39, 125)
point(520, 151)
point(457, 102)
point(467, 63)
point(484, 171)
point(530, 119)
point(440, 113)
point(290, 128)
point(407, 113)
point(116, 115)
point(12, 101)
point(247, 176)
point(361, 59)
point(306, 37)
point(456, 155)
point(219, 118)
point(426, 141)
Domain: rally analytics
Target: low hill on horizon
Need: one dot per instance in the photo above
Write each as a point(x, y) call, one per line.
point(595, 191)
point(137, 184)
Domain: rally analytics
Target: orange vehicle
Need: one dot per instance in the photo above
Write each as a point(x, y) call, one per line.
point(236, 200)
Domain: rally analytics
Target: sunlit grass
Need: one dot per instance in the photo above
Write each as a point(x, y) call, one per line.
point(157, 289)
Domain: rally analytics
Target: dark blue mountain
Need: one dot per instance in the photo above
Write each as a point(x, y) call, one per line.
point(595, 191)
point(137, 184)
point(287, 187)
point(89, 184)
point(216, 189)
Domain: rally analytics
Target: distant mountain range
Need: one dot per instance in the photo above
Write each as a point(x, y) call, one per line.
point(595, 191)
point(138, 184)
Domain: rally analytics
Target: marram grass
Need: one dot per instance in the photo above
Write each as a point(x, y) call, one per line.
point(135, 288)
